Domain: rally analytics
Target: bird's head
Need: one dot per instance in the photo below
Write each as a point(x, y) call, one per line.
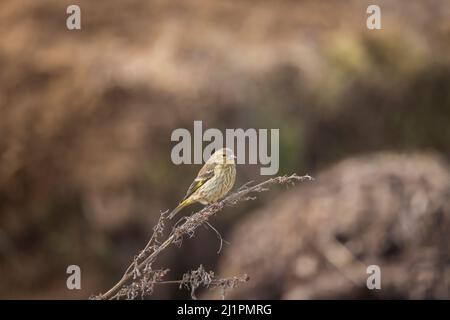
point(222, 156)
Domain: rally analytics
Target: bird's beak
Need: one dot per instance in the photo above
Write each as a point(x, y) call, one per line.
point(231, 157)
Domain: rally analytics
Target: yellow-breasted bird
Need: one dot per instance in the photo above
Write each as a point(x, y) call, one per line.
point(214, 180)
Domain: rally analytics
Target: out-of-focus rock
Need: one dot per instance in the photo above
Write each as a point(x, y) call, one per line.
point(317, 240)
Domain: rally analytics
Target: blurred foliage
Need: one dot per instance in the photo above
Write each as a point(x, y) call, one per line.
point(86, 116)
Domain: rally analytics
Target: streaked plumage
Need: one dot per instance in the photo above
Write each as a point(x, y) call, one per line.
point(214, 180)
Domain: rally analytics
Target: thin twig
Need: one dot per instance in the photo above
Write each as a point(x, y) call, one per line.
point(219, 236)
point(140, 268)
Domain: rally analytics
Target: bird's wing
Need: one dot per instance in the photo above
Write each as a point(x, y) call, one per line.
point(205, 173)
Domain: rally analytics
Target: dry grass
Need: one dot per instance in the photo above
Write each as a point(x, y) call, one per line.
point(140, 278)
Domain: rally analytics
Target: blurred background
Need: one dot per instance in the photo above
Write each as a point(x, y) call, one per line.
point(86, 118)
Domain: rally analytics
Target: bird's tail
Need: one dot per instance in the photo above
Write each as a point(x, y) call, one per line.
point(183, 204)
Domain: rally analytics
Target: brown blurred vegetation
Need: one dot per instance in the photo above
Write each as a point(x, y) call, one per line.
point(386, 210)
point(86, 116)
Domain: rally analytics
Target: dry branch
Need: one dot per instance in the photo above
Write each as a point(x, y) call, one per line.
point(139, 278)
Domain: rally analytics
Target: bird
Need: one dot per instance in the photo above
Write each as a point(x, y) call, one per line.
point(214, 180)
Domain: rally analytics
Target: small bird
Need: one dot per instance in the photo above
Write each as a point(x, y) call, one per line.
point(214, 180)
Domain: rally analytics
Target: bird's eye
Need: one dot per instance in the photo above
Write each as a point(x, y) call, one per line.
point(223, 155)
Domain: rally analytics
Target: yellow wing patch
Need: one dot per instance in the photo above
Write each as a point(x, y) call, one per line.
point(206, 173)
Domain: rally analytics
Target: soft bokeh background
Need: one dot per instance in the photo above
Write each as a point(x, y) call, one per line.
point(86, 118)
